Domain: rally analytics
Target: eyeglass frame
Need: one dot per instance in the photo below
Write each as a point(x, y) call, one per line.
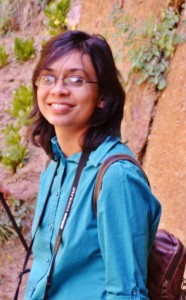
point(84, 81)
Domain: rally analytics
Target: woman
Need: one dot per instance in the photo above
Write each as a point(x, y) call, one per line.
point(78, 108)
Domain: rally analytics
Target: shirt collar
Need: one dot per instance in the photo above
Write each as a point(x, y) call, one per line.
point(95, 157)
point(56, 149)
point(58, 153)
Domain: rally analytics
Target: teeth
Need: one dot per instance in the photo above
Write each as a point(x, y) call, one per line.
point(60, 105)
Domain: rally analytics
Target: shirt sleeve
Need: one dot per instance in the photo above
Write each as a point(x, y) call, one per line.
point(128, 215)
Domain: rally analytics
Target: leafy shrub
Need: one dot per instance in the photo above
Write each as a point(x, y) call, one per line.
point(56, 13)
point(1, 155)
point(19, 210)
point(16, 153)
point(24, 49)
point(152, 44)
point(5, 230)
point(22, 105)
point(8, 11)
point(11, 134)
point(4, 25)
point(3, 57)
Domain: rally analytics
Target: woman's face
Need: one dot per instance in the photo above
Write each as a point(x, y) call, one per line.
point(66, 107)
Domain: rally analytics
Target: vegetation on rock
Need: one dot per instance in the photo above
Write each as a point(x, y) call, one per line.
point(152, 43)
point(3, 57)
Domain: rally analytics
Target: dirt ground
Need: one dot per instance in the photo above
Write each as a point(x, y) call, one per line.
point(12, 257)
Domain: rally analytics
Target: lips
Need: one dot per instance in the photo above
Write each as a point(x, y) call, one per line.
point(61, 107)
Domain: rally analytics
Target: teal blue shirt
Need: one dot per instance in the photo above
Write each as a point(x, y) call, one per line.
point(98, 259)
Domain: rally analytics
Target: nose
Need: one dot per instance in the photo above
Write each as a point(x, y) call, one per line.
point(59, 88)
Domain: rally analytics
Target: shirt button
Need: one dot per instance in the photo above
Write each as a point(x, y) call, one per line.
point(57, 194)
point(134, 292)
point(50, 227)
point(48, 259)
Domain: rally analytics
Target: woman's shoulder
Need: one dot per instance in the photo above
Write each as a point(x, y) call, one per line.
point(124, 177)
point(110, 146)
point(120, 148)
point(124, 163)
point(123, 155)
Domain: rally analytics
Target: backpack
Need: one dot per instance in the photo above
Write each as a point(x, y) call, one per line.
point(167, 258)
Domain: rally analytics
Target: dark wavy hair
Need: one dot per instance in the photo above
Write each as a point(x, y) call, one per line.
point(105, 121)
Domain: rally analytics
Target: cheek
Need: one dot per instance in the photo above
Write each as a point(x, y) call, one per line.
point(93, 99)
point(41, 96)
point(91, 104)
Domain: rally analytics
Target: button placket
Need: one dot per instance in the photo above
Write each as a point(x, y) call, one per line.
point(134, 293)
point(48, 260)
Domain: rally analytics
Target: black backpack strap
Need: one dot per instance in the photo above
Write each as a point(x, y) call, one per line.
point(105, 165)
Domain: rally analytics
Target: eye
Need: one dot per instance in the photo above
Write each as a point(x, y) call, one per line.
point(46, 80)
point(73, 81)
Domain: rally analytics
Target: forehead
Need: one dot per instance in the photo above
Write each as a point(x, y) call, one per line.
point(74, 61)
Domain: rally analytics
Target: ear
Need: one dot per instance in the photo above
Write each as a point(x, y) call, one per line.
point(100, 103)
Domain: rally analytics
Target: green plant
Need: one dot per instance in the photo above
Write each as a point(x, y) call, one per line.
point(8, 9)
point(24, 49)
point(5, 231)
point(152, 44)
point(56, 13)
point(19, 210)
point(3, 57)
point(11, 134)
point(22, 105)
point(6, 13)
point(16, 153)
point(1, 155)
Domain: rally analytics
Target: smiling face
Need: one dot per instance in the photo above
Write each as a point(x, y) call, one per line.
point(69, 109)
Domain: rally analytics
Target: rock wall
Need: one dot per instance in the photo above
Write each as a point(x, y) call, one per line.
point(154, 123)
point(165, 159)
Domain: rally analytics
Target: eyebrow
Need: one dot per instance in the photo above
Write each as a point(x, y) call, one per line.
point(72, 70)
point(78, 69)
point(47, 69)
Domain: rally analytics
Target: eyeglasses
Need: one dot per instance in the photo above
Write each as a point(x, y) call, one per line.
point(68, 82)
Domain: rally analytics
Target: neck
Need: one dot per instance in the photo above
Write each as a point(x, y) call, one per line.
point(69, 142)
